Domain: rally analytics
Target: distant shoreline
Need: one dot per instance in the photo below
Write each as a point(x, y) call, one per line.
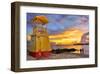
point(70, 44)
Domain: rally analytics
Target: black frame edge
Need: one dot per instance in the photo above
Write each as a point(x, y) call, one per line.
point(12, 36)
point(55, 5)
point(96, 36)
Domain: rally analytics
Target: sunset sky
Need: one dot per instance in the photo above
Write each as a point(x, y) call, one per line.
point(63, 28)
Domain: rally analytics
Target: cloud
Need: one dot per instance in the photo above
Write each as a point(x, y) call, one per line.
point(71, 36)
point(60, 22)
point(82, 23)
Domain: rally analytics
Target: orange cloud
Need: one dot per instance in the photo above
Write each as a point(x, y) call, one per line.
point(70, 36)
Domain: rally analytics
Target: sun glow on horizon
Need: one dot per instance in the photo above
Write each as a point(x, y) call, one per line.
point(70, 36)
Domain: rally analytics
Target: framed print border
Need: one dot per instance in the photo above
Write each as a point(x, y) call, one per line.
point(15, 36)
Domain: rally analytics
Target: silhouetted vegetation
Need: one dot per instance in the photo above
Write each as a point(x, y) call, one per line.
point(57, 51)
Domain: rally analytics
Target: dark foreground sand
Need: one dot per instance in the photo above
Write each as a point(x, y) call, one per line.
point(65, 55)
